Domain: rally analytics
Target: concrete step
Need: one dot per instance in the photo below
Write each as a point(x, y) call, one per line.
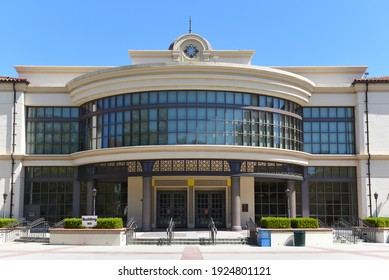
point(33, 239)
point(188, 241)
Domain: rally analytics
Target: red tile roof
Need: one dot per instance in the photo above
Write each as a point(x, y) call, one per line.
point(12, 80)
point(383, 79)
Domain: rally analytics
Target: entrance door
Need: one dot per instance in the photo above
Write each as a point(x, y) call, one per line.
point(210, 204)
point(171, 204)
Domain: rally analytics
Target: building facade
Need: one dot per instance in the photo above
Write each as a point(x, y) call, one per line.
point(191, 133)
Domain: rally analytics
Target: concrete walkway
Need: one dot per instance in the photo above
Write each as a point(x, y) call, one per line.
point(37, 251)
point(211, 261)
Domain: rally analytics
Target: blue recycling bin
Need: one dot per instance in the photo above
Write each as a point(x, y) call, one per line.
point(264, 238)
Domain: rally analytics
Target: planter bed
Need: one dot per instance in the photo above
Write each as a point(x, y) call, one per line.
point(313, 237)
point(10, 234)
point(108, 237)
point(381, 234)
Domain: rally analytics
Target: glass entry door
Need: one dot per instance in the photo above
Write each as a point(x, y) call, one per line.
point(210, 204)
point(171, 204)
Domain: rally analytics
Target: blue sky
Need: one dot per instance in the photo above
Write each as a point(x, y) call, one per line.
point(282, 32)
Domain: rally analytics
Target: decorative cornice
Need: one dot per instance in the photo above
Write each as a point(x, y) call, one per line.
point(8, 86)
point(194, 152)
point(47, 89)
point(324, 69)
point(347, 89)
point(164, 76)
point(376, 87)
point(22, 69)
point(173, 151)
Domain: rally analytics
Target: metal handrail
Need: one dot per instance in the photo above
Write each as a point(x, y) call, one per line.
point(322, 224)
point(14, 230)
point(17, 223)
point(35, 223)
point(170, 231)
point(344, 230)
point(362, 223)
point(212, 231)
point(253, 230)
point(131, 226)
point(36, 229)
point(130, 231)
point(365, 231)
point(59, 224)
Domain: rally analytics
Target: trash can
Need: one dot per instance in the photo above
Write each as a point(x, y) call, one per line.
point(299, 238)
point(264, 238)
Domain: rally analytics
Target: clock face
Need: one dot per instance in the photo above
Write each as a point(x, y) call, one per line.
point(191, 51)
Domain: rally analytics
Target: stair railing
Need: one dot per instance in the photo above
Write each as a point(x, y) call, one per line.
point(344, 231)
point(14, 230)
point(170, 231)
point(365, 231)
point(322, 224)
point(59, 224)
point(212, 231)
point(253, 231)
point(18, 223)
point(131, 230)
point(37, 228)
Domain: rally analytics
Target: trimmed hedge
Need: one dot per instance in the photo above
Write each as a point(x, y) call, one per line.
point(280, 222)
point(73, 223)
point(378, 222)
point(5, 222)
point(304, 223)
point(107, 223)
point(275, 222)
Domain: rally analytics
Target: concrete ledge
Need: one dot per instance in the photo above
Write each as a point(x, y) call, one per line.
point(313, 237)
point(109, 237)
point(381, 234)
point(7, 234)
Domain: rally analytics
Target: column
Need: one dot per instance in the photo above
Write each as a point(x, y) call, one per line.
point(305, 195)
point(235, 203)
point(191, 207)
point(291, 198)
point(146, 205)
point(76, 194)
point(89, 198)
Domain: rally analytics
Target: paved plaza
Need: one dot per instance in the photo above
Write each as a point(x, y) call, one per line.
point(38, 251)
point(213, 261)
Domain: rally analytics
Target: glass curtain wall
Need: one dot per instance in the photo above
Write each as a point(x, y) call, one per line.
point(52, 130)
point(332, 193)
point(271, 200)
point(329, 130)
point(52, 189)
point(191, 117)
point(111, 199)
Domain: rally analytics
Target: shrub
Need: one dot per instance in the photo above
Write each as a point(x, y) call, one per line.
point(275, 222)
point(378, 222)
point(109, 223)
point(304, 223)
point(101, 223)
point(5, 222)
point(73, 223)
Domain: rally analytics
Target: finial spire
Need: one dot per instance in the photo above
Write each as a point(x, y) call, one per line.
point(190, 24)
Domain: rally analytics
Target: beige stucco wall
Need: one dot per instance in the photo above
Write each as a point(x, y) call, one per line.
point(247, 197)
point(6, 122)
point(378, 106)
point(134, 197)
